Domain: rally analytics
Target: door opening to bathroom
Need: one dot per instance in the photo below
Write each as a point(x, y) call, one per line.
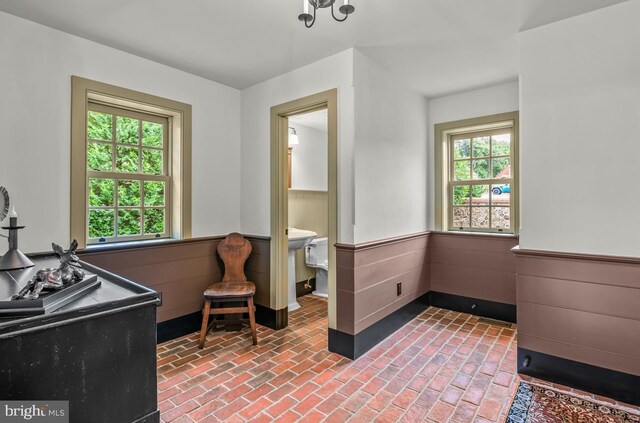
point(304, 203)
point(308, 221)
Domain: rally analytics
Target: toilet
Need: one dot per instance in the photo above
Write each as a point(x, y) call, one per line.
point(316, 255)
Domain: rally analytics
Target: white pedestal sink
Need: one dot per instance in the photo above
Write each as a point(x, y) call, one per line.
point(298, 238)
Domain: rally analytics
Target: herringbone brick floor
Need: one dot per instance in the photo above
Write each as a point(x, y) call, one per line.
point(442, 366)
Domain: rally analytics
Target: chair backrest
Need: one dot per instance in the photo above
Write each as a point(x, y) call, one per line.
point(234, 251)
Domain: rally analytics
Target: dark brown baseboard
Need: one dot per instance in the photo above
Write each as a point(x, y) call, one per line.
point(274, 319)
point(597, 380)
point(190, 323)
point(477, 307)
point(353, 346)
point(301, 290)
point(180, 326)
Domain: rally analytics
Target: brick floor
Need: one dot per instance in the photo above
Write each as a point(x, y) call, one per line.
point(442, 366)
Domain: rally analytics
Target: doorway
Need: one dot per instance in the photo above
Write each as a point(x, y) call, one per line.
point(279, 289)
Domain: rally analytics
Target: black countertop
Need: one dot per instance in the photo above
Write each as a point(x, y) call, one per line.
point(113, 293)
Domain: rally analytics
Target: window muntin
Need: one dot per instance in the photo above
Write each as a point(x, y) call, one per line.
point(128, 177)
point(481, 180)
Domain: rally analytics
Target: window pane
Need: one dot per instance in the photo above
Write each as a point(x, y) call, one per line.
point(480, 217)
point(152, 161)
point(461, 217)
point(153, 221)
point(501, 217)
point(129, 222)
point(101, 223)
point(127, 130)
point(99, 126)
point(501, 145)
point(480, 195)
point(153, 193)
point(462, 170)
point(127, 159)
point(481, 147)
point(501, 195)
point(151, 134)
point(99, 156)
point(501, 168)
point(481, 169)
point(101, 192)
point(461, 195)
point(462, 149)
point(128, 193)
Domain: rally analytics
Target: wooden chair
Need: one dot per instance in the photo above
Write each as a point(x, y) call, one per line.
point(234, 251)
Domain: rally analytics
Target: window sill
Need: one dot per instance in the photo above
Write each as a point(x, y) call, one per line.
point(478, 234)
point(127, 245)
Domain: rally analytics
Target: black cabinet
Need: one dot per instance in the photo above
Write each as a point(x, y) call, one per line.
point(97, 352)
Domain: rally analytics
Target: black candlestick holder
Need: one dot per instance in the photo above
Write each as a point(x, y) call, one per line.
point(14, 259)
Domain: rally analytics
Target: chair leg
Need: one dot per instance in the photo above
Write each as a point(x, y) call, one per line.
point(205, 321)
point(252, 321)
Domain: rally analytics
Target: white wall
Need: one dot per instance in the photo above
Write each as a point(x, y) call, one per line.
point(390, 155)
point(333, 72)
point(466, 105)
point(382, 147)
point(309, 159)
point(471, 104)
point(580, 133)
point(35, 85)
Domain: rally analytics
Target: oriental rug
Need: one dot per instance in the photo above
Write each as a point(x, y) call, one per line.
point(538, 404)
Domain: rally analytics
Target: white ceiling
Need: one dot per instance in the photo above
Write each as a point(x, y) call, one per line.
point(316, 120)
point(435, 46)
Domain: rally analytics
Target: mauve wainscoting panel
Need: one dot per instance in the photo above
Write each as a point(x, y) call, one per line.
point(474, 265)
point(182, 270)
point(367, 286)
point(581, 308)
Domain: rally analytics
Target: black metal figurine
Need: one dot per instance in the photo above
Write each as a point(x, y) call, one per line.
point(52, 279)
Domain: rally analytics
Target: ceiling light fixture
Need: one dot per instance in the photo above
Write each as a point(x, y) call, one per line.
point(346, 9)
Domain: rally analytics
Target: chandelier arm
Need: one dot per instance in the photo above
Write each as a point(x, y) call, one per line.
point(314, 19)
point(334, 15)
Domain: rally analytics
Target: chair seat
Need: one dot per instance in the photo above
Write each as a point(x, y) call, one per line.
point(230, 290)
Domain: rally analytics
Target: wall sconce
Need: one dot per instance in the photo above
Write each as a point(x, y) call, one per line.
point(293, 137)
point(293, 140)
